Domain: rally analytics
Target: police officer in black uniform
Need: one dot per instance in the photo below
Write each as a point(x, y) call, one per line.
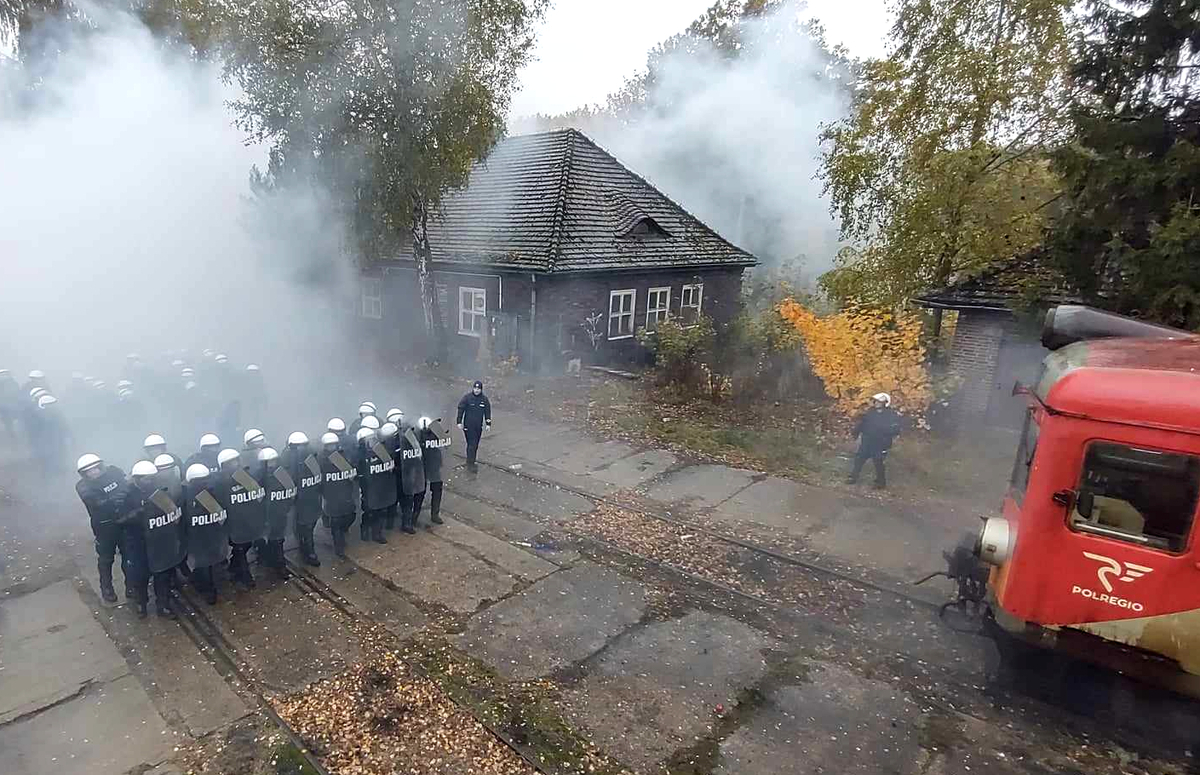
point(366, 409)
point(247, 508)
point(103, 490)
point(159, 519)
point(205, 517)
point(281, 498)
point(359, 450)
point(338, 491)
point(305, 469)
point(434, 440)
point(371, 466)
point(412, 479)
point(385, 482)
point(474, 414)
point(210, 447)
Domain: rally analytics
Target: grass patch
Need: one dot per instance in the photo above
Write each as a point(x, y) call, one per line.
point(523, 712)
point(288, 760)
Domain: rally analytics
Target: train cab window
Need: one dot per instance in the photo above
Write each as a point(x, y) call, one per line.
point(1143, 496)
point(1024, 462)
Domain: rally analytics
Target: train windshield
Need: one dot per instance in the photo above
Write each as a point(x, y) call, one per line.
point(1023, 465)
point(1143, 496)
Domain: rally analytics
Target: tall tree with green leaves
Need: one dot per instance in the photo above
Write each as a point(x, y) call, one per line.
point(387, 102)
point(942, 167)
point(1129, 233)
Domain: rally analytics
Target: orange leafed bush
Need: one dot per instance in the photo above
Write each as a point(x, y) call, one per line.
point(861, 351)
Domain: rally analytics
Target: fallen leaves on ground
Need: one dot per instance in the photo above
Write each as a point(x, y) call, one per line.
point(697, 553)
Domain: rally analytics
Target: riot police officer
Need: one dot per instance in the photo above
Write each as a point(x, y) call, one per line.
point(305, 469)
point(281, 498)
point(247, 509)
point(377, 477)
point(396, 417)
point(337, 491)
point(337, 426)
point(49, 434)
point(210, 447)
point(207, 532)
point(433, 441)
point(365, 409)
point(159, 519)
point(155, 445)
point(412, 479)
point(103, 489)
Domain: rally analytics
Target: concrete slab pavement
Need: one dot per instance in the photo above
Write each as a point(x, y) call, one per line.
point(656, 691)
point(509, 558)
point(562, 619)
point(521, 494)
point(68, 701)
point(369, 595)
point(637, 469)
point(837, 722)
point(702, 486)
point(587, 457)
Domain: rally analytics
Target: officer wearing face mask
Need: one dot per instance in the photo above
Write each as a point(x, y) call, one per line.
point(103, 489)
point(474, 416)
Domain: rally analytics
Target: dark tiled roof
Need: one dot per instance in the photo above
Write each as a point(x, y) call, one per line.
point(1015, 284)
point(557, 202)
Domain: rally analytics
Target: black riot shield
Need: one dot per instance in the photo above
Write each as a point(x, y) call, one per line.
point(247, 510)
point(207, 531)
point(162, 522)
point(281, 495)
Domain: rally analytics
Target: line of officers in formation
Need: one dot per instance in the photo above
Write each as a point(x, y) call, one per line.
point(171, 520)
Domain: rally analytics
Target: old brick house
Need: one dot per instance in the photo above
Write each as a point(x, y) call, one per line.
point(996, 336)
point(552, 231)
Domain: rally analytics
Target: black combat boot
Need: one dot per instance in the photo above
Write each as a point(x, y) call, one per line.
point(409, 523)
point(210, 596)
point(339, 542)
point(279, 561)
point(364, 530)
point(164, 610)
point(142, 610)
point(436, 518)
point(309, 552)
point(107, 593)
point(377, 532)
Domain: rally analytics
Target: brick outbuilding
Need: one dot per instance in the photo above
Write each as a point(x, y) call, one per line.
point(996, 337)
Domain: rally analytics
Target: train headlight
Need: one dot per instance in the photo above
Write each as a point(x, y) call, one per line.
point(995, 541)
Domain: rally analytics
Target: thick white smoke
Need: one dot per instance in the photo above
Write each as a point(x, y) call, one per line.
point(736, 140)
point(125, 222)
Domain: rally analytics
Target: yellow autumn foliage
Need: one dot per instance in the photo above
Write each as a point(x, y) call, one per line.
point(862, 351)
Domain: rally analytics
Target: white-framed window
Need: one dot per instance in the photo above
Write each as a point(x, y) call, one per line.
point(472, 311)
point(691, 297)
point(658, 306)
point(620, 313)
point(372, 298)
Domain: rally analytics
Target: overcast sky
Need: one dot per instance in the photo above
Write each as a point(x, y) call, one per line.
point(586, 49)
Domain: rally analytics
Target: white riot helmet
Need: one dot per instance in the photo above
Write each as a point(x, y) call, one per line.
point(196, 471)
point(395, 415)
point(336, 425)
point(364, 434)
point(371, 421)
point(37, 392)
point(254, 438)
point(267, 455)
point(36, 374)
point(124, 383)
point(209, 440)
point(47, 400)
point(188, 371)
point(87, 462)
point(297, 439)
point(143, 468)
point(189, 385)
point(388, 430)
point(124, 394)
point(163, 462)
point(99, 384)
point(329, 439)
point(252, 367)
point(177, 364)
point(424, 423)
point(227, 456)
point(154, 440)
point(365, 410)
point(882, 398)
point(206, 353)
point(221, 358)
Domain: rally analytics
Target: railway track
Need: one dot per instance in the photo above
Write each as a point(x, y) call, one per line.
point(824, 571)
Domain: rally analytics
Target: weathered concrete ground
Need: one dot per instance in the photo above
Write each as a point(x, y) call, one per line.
point(664, 671)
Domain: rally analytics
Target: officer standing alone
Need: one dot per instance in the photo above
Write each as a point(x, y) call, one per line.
point(876, 431)
point(474, 415)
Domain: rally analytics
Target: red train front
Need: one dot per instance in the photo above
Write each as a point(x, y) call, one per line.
point(1097, 552)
